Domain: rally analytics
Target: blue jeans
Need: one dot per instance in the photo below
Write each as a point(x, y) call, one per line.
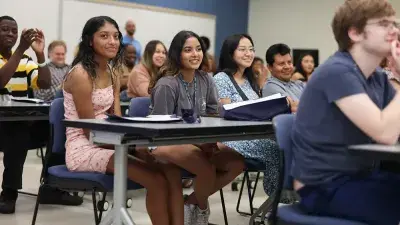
point(373, 198)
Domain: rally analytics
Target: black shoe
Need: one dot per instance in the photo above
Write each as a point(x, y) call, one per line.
point(53, 196)
point(7, 206)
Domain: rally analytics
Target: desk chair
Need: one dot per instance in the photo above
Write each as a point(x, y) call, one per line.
point(252, 166)
point(292, 214)
point(60, 177)
point(139, 107)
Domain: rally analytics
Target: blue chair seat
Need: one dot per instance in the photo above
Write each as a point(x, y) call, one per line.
point(102, 182)
point(293, 214)
point(253, 165)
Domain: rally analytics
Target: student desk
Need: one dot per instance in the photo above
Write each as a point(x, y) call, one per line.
point(377, 151)
point(21, 111)
point(156, 134)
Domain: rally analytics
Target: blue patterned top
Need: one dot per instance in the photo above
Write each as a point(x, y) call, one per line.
point(226, 89)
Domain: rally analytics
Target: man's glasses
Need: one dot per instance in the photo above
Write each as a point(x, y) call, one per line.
point(387, 23)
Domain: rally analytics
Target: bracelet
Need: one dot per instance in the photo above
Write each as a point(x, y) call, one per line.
point(43, 64)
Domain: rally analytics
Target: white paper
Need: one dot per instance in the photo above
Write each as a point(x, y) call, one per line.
point(249, 102)
point(33, 100)
point(154, 118)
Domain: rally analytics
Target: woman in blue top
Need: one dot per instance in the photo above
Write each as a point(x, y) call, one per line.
point(236, 57)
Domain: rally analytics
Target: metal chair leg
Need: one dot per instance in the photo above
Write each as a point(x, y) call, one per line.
point(36, 210)
point(96, 216)
point(240, 194)
point(221, 192)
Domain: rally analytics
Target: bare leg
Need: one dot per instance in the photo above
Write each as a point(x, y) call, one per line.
point(175, 198)
point(229, 165)
point(193, 160)
point(156, 185)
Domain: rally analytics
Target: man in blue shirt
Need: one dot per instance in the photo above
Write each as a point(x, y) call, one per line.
point(128, 38)
point(349, 101)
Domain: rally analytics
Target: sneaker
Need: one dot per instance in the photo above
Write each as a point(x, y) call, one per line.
point(54, 196)
point(7, 206)
point(202, 216)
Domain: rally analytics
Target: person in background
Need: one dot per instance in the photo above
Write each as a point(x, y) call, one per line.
point(91, 89)
point(388, 66)
point(181, 85)
point(154, 56)
point(211, 66)
point(259, 72)
point(280, 65)
point(130, 28)
point(128, 62)
point(236, 58)
point(304, 68)
point(349, 101)
point(58, 68)
point(17, 71)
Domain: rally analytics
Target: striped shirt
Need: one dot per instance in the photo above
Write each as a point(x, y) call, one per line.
point(25, 76)
point(57, 76)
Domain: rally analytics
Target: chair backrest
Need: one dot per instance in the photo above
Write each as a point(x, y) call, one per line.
point(56, 117)
point(139, 107)
point(283, 131)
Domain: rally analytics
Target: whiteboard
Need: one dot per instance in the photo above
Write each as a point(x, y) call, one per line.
point(150, 24)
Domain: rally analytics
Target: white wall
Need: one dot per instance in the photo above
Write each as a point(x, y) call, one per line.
point(30, 15)
point(298, 23)
point(65, 21)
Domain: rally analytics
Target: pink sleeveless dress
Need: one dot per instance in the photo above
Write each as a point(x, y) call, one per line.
point(81, 155)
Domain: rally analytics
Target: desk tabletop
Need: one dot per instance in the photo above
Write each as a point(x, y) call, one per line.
point(208, 125)
point(377, 151)
point(15, 104)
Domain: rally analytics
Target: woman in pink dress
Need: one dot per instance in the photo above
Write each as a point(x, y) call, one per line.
point(90, 91)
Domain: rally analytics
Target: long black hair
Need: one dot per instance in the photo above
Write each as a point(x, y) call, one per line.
point(299, 66)
point(228, 65)
point(173, 63)
point(86, 53)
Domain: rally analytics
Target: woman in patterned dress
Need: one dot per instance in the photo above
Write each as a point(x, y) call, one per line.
point(91, 90)
point(236, 57)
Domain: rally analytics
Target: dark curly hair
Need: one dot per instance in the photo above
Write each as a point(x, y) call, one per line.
point(86, 53)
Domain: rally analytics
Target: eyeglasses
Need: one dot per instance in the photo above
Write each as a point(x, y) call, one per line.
point(387, 23)
point(243, 50)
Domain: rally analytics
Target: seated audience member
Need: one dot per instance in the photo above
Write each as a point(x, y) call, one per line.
point(236, 57)
point(181, 85)
point(280, 65)
point(304, 68)
point(259, 72)
point(210, 67)
point(58, 68)
point(130, 28)
point(390, 71)
point(154, 57)
point(347, 102)
point(17, 70)
point(91, 89)
point(128, 62)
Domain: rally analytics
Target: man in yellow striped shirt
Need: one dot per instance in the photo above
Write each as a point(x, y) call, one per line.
point(19, 73)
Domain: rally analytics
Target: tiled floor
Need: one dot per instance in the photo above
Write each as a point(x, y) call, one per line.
point(62, 215)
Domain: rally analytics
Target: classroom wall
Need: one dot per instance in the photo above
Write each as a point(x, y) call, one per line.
point(300, 24)
point(231, 15)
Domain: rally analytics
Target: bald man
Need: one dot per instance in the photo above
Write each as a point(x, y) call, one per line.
point(129, 39)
